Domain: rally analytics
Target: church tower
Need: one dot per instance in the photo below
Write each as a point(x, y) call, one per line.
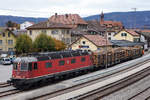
point(102, 18)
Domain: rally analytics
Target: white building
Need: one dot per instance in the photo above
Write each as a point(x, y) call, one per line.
point(25, 25)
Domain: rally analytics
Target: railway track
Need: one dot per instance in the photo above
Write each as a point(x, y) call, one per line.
point(5, 90)
point(4, 85)
point(66, 90)
point(143, 95)
point(109, 89)
point(9, 92)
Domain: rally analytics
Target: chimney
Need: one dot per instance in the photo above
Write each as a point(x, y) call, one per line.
point(66, 15)
point(73, 22)
point(55, 15)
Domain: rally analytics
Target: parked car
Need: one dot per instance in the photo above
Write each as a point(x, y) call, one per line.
point(12, 59)
point(6, 61)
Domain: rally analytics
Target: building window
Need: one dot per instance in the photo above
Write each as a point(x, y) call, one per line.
point(10, 42)
point(48, 64)
point(109, 38)
point(10, 49)
point(3, 34)
point(30, 32)
point(61, 63)
point(68, 31)
point(136, 40)
point(8, 34)
point(109, 33)
point(83, 42)
point(123, 34)
point(43, 31)
point(1, 42)
point(68, 40)
point(55, 32)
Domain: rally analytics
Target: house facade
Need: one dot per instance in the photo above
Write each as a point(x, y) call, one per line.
point(58, 31)
point(7, 41)
point(90, 42)
point(127, 34)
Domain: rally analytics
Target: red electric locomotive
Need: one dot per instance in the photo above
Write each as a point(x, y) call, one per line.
point(41, 67)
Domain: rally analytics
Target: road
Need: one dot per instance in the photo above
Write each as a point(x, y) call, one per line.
point(5, 72)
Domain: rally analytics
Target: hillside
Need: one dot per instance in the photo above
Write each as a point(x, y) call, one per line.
point(19, 20)
point(130, 19)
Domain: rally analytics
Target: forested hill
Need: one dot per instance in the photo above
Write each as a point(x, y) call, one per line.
point(139, 19)
point(19, 20)
point(130, 19)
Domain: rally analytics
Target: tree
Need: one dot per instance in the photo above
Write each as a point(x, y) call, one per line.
point(23, 44)
point(59, 45)
point(11, 24)
point(44, 43)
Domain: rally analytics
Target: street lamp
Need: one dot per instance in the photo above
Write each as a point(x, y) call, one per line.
point(105, 30)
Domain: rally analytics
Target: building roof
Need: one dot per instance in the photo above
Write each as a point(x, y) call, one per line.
point(19, 32)
point(76, 31)
point(48, 25)
point(130, 31)
point(94, 26)
point(146, 33)
point(112, 23)
point(97, 40)
point(125, 43)
point(67, 19)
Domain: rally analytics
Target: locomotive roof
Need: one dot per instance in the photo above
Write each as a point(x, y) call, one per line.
point(50, 55)
point(25, 59)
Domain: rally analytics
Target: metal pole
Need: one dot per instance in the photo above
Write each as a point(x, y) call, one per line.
point(134, 17)
point(106, 48)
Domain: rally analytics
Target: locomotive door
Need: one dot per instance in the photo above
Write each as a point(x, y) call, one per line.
point(35, 70)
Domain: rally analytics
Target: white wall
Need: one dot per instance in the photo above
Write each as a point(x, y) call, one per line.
point(25, 25)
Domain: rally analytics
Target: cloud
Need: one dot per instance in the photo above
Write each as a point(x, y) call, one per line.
point(46, 8)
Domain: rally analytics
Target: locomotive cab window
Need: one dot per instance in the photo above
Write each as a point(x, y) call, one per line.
point(48, 64)
point(73, 61)
point(35, 66)
point(24, 66)
point(61, 63)
point(82, 59)
point(15, 66)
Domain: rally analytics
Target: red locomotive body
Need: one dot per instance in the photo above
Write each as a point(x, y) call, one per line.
point(30, 70)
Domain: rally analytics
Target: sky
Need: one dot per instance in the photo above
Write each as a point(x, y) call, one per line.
point(47, 8)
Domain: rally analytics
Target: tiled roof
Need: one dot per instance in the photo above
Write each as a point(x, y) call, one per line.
point(95, 26)
point(67, 19)
point(132, 32)
point(97, 40)
point(112, 23)
point(146, 33)
point(76, 31)
point(48, 25)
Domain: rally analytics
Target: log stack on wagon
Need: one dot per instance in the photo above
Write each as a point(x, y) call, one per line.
point(115, 55)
